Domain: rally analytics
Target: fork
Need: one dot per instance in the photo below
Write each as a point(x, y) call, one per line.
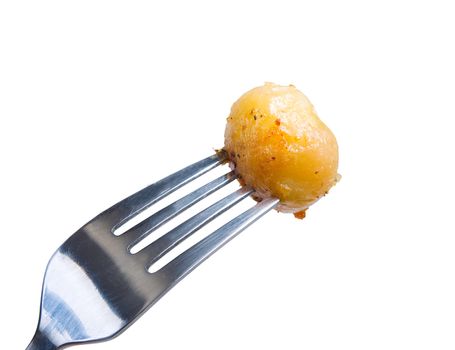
point(94, 287)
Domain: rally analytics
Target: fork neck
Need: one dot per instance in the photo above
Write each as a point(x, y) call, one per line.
point(41, 342)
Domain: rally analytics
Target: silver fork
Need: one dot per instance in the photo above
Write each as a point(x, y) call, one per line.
point(94, 287)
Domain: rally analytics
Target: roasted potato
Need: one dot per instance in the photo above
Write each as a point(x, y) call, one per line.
point(278, 146)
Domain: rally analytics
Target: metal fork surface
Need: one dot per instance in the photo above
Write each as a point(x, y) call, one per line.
point(94, 287)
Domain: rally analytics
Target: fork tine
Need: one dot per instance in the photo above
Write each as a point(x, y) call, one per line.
point(144, 228)
point(165, 243)
point(183, 264)
point(124, 210)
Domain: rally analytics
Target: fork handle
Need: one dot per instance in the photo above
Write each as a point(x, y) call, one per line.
point(41, 342)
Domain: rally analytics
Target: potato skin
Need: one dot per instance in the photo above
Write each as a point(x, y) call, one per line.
point(279, 146)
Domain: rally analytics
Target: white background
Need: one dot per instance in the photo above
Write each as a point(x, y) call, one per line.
point(100, 98)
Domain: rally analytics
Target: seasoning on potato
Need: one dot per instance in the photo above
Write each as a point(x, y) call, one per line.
point(279, 147)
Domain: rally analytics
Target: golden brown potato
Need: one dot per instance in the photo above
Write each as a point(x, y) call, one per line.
point(279, 146)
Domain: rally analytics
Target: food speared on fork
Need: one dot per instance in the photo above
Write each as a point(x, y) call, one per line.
point(95, 287)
